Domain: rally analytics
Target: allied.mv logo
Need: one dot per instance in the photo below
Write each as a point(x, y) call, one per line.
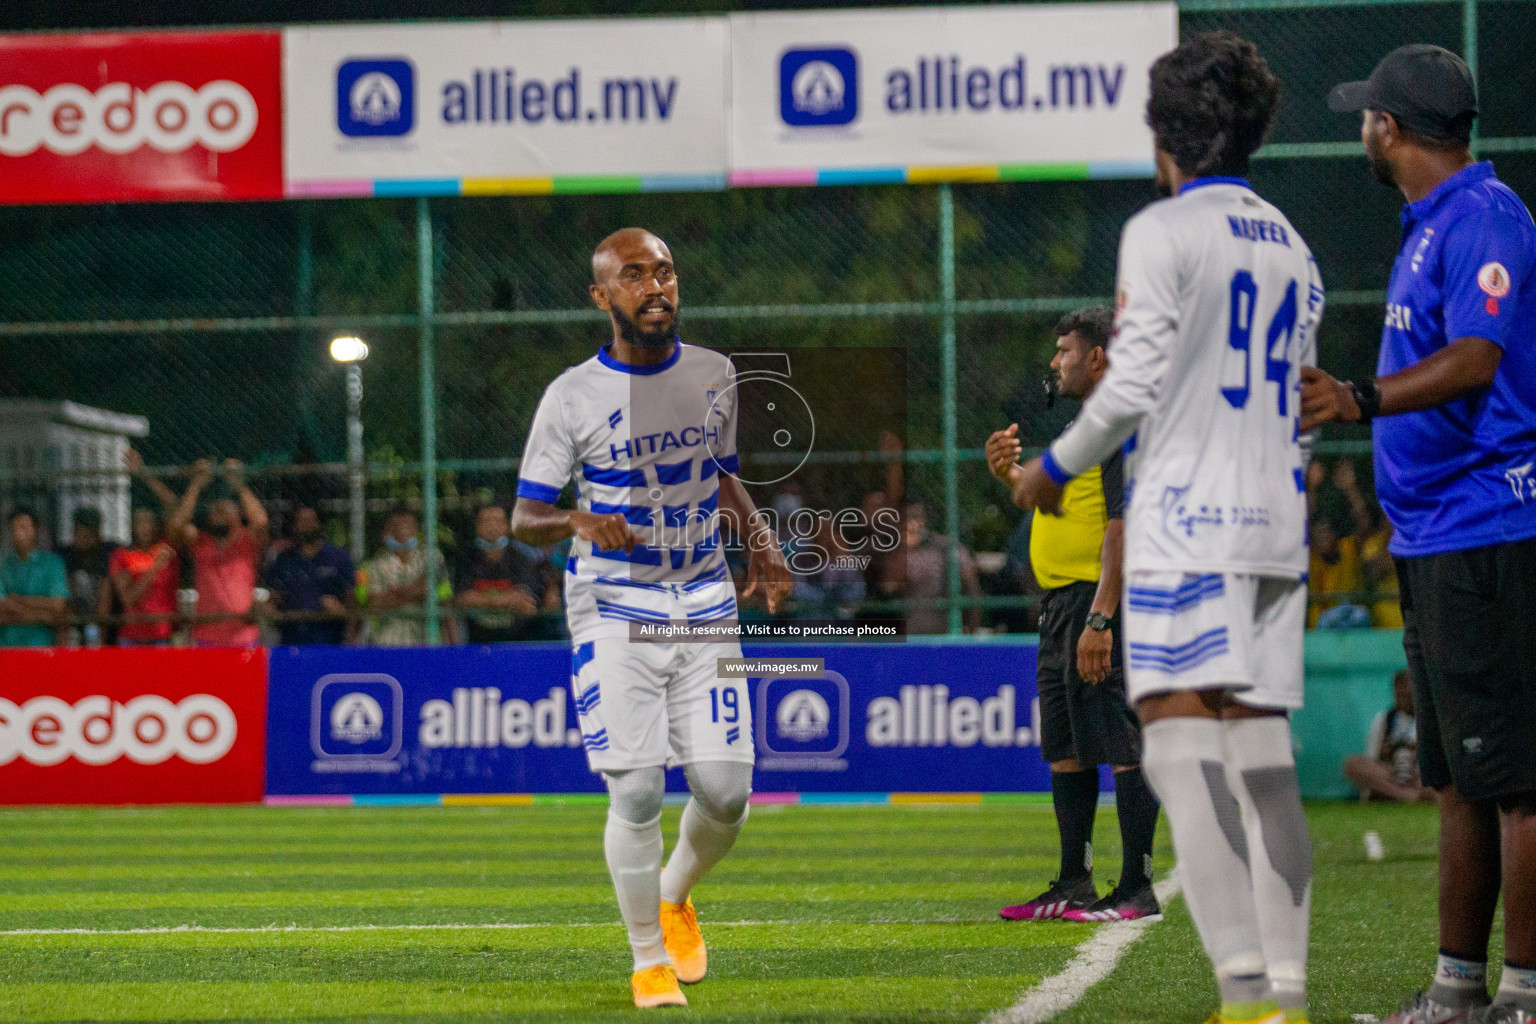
point(357, 718)
point(819, 87)
point(803, 724)
point(375, 97)
point(357, 721)
point(804, 716)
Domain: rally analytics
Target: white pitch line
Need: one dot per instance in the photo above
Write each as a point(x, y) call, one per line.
point(1095, 958)
point(197, 929)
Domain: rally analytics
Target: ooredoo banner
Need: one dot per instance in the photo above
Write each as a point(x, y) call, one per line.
point(504, 719)
point(107, 117)
point(944, 93)
point(506, 107)
point(132, 726)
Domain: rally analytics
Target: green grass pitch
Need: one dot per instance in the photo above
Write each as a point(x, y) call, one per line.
point(838, 913)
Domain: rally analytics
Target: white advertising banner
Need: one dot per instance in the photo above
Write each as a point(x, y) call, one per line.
point(945, 93)
point(506, 107)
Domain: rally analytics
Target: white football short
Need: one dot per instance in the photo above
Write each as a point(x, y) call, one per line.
point(645, 704)
point(1186, 631)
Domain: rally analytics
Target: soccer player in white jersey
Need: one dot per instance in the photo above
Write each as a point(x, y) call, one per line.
point(1219, 301)
point(647, 431)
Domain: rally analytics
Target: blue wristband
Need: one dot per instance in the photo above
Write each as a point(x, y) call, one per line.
point(537, 491)
point(1053, 469)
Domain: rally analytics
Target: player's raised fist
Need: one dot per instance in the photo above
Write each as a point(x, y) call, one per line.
point(1003, 451)
point(609, 531)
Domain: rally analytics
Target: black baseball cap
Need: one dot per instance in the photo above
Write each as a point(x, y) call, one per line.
point(1428, 89)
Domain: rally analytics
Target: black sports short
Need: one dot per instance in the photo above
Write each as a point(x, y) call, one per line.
point(1078, 719)
point(1469, 630)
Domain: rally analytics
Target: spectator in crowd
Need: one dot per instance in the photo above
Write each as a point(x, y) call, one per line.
point(885, 573)
point(753, 608)
point(1347, 484)
point(36, 590)
point(1337, 532)
point(85, 567)
point(927, 569)
point(1334, 571)
point(792, 521)
point(498, 586)
point(144, 576)
point(1020, 577)
point(1389, 768)
point(549, 565)
point(1380, 575)
point(395, 581)
point(225, 555)
point(315, 577)
point(840, 584)
point(829, 580)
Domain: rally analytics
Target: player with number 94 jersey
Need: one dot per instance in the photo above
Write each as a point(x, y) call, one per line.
point(1219, 301)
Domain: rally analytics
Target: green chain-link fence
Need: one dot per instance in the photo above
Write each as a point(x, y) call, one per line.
point(212, 320)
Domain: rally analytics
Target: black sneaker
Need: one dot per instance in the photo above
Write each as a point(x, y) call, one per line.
point(1120, 906)
point(1054, 902)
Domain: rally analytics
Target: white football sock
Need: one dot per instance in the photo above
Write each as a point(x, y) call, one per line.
point(1517, 988)
point(1459, 983)
point(711, 822)
point(1184, 760)
point(632, 845)
point(1261, 770)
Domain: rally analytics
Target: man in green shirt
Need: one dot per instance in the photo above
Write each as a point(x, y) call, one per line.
point(36, 589)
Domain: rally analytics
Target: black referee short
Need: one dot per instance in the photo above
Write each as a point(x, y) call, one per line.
point(1078, 719)
point(1469, 630)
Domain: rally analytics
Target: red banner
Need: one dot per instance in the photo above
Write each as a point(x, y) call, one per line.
point(110, 117)
point(132, 726)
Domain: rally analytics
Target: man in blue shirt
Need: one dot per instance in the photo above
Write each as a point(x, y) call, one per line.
point(1455, 403)
point(314, 576)
point(36, 589)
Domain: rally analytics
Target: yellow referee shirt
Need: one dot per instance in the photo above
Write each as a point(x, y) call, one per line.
point(1067, 548)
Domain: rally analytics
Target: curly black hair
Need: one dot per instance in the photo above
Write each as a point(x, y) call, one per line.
point(1094, 324)
point(1213, 98)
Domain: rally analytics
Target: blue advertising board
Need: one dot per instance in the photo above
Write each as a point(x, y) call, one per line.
point(882, 718)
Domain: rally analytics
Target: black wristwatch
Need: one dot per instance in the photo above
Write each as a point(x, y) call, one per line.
point(1367, 397)
point(1098, 621)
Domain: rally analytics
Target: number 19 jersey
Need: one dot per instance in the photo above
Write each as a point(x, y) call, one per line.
point(1218, 302)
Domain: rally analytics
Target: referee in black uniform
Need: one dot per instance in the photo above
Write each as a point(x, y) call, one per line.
point(1085, 720)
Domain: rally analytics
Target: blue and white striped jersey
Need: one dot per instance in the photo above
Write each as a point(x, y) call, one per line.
point(650, 443)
